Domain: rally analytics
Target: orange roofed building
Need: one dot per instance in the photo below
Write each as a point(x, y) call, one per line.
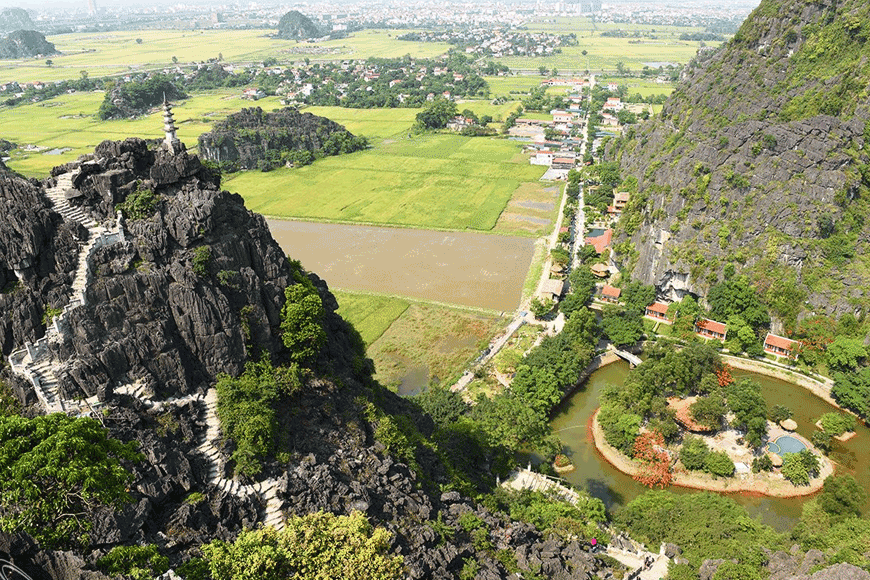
point(711, 329)
point(610, 294)
point(658, 311)
point(601, 242)
point(781, 346)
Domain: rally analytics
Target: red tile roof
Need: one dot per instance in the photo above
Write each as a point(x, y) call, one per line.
point(601, 242)
point(779, 341)
point(712, 326)
point(659, 307)
point(611, 291)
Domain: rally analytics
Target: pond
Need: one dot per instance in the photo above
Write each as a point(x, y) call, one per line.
point(615, 488)
point(466, 268)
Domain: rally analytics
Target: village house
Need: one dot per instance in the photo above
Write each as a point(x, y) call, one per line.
point(610, 294)
point(711, 329)
point(600, 270)
point(553, 289)
point(459, 123)
point(562, 162)
point(614, 103)
point(781, 346)
point(658, 311)
point(562, 116)
point(253, 94)
point(601, 242)
point(620, 200)
point(542, 157)
point(612, 87)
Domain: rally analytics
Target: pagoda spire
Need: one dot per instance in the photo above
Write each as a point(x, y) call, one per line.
point(171, 140)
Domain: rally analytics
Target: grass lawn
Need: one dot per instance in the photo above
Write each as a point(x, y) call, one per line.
point(535, 270)
point(417, 342)
point(430, 345)
point(432, 181)
point(111, 53)
point(370, 314)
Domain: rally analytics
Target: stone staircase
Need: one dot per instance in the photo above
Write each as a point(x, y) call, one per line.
point(267, 489)
point(525, 478)
point(34, 361)
point(63, 207)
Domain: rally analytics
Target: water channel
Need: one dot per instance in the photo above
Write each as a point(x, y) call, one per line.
point(615, 488)
point(471, 269)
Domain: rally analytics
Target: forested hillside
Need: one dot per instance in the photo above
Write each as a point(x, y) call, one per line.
point(761, 160)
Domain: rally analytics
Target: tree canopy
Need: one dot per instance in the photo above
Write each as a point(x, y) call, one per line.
point(54, 471)
point(436, 113)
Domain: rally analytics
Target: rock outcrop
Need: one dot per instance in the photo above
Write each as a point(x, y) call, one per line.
point(760, 158)
point(151, 337)
point(125, 100)
point(296, 26)
point(25, 44)
point(254, 139)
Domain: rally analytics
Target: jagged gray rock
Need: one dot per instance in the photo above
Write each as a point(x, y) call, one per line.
point(749, 157)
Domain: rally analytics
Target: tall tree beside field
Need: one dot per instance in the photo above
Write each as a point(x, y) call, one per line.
point(436, 114)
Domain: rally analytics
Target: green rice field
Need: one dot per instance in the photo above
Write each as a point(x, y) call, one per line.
point(604, 52)
point(431, 181)
point(415, 344)
point(113, 53)
point(370, 314)
point(69, 123)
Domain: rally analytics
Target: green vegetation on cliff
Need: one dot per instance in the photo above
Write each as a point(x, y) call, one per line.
point(761, 159)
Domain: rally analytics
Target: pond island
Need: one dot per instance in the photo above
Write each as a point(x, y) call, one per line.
point(680, 418)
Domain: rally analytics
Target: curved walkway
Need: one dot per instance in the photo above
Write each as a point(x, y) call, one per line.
point(771, 485)
point(820, 388)
point(266, 489)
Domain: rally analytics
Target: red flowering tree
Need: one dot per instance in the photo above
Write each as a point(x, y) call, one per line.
point(655, 462)
point(723, 373)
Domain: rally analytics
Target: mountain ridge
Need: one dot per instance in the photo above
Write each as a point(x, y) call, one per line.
point(760, 159)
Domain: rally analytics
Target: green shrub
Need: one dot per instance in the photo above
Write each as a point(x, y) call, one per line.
point(838, 423)
point(246, 410)
point(763, 463)
point(694, 453)
point(719, 464)
point(139, 562)
point(139, 205)
point(194, 498)
point(317, 546)
point(302, 323)
point(201, 260)
point(50, 314)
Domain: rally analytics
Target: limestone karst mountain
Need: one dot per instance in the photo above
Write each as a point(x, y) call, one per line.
point(761, 159)
point(296, 26)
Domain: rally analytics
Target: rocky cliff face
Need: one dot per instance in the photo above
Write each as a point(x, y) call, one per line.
point(150, 317)
point(251, 138)
point(25, 44)
point(761, 158)
point(296, 26)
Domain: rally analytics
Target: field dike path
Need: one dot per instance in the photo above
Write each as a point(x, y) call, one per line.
point(36, 363)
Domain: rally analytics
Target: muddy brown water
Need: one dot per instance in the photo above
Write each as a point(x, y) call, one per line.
point(470, 269)
point(615, 488)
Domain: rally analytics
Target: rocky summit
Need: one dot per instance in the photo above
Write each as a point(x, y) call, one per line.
point(112, 243)
point(25, 44)
point(760, 159)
